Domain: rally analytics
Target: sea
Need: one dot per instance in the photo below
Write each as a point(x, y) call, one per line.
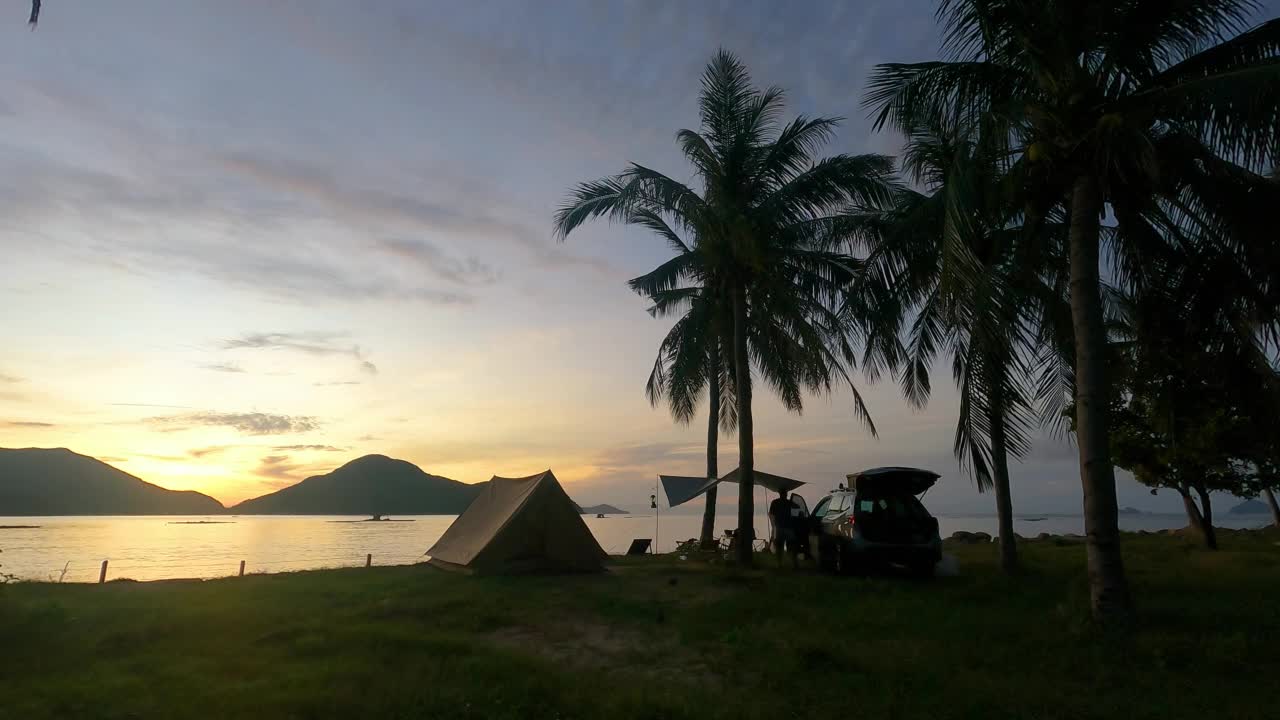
point(72, 549)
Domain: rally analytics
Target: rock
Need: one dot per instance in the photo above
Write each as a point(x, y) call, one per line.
point(970, 538)
point(1044, 536)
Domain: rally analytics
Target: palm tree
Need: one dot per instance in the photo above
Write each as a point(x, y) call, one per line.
point(767, 218)
point(951, 270)
point(691, 357)
point(1102, 105)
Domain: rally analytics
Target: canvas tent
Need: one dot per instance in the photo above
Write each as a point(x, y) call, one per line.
point(519, 525)
point(681, 489)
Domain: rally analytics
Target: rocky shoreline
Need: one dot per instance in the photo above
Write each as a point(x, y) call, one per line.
point(964, 537)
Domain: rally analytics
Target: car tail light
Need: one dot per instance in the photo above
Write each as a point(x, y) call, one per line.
point(850, 521)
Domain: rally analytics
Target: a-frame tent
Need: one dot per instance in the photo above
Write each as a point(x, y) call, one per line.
point(519, 525)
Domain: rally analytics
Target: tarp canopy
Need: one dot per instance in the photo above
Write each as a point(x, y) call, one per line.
point(776, 483)
point(518, 525)
point(681, 489)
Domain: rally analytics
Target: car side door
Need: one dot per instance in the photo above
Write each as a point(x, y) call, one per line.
point(815, 527)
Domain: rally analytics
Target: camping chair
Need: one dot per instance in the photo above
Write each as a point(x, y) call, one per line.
point(688, 547)
point(730, 542)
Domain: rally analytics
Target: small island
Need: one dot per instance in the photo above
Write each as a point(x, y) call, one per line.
point(602, 510)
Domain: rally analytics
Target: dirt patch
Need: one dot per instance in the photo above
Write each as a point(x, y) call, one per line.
point(574, 642)
point(584, 643)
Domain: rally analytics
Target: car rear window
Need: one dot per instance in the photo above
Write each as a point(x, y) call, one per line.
point(895, 506)
point(822, 508)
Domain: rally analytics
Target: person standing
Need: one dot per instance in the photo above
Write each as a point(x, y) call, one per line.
point(784, 529)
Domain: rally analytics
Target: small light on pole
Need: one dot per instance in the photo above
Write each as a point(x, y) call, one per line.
point(653, 503)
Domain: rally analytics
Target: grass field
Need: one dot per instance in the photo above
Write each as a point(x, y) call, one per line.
point(659, 639)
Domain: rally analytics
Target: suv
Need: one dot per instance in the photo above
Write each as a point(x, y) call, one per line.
point(877, 519)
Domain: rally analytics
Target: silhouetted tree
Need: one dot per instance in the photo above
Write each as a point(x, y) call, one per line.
point(1103, 105)
point(946, 261)
point(692, 356)
point(769, 221)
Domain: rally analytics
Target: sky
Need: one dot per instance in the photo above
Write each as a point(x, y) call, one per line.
point(245, 242)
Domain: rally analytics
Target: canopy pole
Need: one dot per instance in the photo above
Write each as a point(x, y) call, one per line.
point(656, 479)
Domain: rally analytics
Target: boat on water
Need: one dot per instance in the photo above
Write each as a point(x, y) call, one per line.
point(375, 518)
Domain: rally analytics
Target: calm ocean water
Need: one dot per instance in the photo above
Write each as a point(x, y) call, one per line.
point(154, 547)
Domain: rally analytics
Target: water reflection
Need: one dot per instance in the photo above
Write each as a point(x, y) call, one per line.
point(153, 548)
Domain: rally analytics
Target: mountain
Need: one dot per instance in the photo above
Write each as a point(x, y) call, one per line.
point(373, 484)
point(602, 510)
point(1250, 507)
point(56, 481)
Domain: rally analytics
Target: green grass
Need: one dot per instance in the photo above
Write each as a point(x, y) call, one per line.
point(659, 639)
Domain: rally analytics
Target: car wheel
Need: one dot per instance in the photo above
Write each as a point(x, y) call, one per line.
point(923, 569)
point(827, 557)
point(843, 560)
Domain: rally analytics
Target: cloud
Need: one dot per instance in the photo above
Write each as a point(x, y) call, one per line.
point(310, 343)
point(649, 456)
point(359, 203)
point(135, 216)
point(223, 367)
point(27, 424)
point(5, 378)
point(367, 438)
point(302, 448)
point(112, 458)
point(253, 423)
point(152, 405)
point(280, 467)
point(201, 452)
point(429, 257)
point(336, 383)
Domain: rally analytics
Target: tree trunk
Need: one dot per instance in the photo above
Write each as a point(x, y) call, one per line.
point(708, 537)
point(1193, 512)
point(1004, 501)
point(746, 449)
point(1275, 508)
point(1108, 589)
point(1206, 512)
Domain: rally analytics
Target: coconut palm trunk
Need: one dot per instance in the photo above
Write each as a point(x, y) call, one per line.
point(1004, 501)
point(1206, 513)
point(707, 536)
point(1193, 513)
point(746, 449)
point(1108, 589)
point(1275, 508)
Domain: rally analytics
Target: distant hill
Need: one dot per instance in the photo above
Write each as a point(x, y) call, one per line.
point(1127, 510)
point(373, 484)
point(602, 510)
point(1250, 507)
point(56, 481)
